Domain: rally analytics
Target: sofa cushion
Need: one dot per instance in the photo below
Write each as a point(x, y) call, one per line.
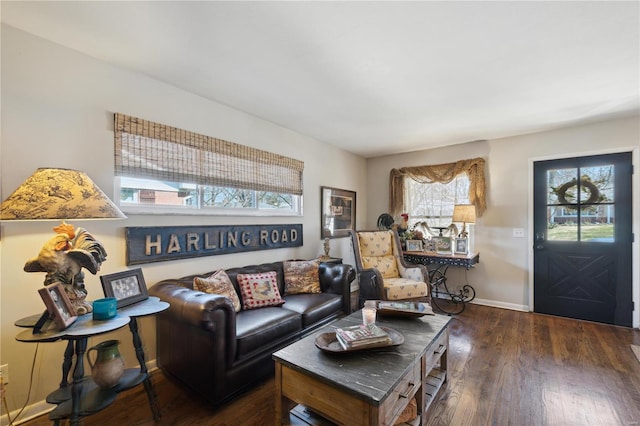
point(301, 277)
point(218, 283)
point(261, 329)
point(259, 290)
point(314, 307)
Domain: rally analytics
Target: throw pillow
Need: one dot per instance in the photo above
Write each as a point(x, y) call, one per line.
point(259, 290)
point(218, 283)
point(301, 277)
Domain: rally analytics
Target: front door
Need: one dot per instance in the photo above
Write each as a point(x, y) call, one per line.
point(582, 238)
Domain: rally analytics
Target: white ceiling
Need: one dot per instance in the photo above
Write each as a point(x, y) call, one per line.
point(372, 77)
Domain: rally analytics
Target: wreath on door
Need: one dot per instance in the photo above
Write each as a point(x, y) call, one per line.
point(586, 184)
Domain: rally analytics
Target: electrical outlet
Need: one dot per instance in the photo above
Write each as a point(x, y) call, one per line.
point(4, 373)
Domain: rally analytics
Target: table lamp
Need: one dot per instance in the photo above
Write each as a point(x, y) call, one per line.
point(465, 213)
point(62, 194)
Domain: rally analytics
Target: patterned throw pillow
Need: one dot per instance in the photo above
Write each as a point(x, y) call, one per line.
point(259, 290)
point(301, 277)
point(218, 283)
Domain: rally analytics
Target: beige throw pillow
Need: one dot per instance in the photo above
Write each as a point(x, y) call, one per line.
point(218, 283)
point(301, 277)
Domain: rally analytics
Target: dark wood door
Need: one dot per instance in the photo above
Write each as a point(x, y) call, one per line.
point(582, 238)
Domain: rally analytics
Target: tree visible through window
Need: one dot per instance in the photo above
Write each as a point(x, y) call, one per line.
point(433, 202)
point(163, 166)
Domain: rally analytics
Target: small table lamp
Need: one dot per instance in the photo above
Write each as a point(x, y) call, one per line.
point(465, 213)
point(61, 194)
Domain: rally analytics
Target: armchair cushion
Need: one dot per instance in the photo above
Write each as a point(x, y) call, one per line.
point(376, 249)
point(259, 290)
point(404, 288)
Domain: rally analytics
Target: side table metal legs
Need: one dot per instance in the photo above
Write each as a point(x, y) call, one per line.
point(78, 375)
point(148, 386)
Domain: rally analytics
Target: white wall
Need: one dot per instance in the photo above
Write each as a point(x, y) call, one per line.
point(57, 110)
point(502, 276)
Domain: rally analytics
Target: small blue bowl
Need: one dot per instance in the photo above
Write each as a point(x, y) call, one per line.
point(104, 309)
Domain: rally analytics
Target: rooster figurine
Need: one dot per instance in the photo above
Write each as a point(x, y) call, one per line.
point(64, 256)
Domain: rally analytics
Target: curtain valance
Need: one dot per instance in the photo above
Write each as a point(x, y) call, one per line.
point(442, 173)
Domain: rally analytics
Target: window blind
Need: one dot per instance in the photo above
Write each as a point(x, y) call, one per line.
point(156, 151)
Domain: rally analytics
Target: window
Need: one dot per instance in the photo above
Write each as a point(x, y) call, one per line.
point(429, 192)
point(433, 202)
point(162, 169)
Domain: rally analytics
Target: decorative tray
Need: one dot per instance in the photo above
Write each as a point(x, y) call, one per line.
point(404, 309)
point(327, 342)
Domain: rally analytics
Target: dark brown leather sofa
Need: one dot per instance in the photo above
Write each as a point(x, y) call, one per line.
point(217, 353)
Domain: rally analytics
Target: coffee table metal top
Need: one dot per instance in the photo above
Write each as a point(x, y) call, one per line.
point(369, 375)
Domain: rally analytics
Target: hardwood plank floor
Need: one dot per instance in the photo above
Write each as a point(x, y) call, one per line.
point(506, 368)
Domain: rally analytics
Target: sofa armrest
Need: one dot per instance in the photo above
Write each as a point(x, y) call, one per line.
point(336, 278)
point(210, 312)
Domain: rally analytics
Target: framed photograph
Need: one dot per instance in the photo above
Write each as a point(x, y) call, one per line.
point(59, 307)
point(338, 212)
point(462, 246)
point(414, 245)
point(127, 287)
point(442, 245)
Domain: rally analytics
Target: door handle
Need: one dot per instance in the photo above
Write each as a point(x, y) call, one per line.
point(539, 241)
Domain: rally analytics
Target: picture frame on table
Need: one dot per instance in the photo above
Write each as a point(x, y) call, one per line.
point(59, 307)
point(442, 245)
point(461, 246)
point(414, 245)
point(337, 212)
point(128, 287)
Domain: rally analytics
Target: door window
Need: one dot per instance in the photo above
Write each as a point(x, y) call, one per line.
point(580, 204)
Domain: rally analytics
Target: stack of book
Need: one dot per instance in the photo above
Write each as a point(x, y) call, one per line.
point(359, 336)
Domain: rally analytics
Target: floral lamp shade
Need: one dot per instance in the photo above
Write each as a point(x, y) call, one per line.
point(59, 194)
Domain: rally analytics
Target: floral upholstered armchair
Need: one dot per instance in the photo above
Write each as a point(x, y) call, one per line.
point(382, 270)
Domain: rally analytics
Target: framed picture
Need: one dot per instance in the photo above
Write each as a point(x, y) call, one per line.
point(442, 244)
point(59, 307)
point(127, 287)
point(414, 245)
point(462, 246)
point(338, 212)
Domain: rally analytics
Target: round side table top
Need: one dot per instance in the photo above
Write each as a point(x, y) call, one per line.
point(84, 326)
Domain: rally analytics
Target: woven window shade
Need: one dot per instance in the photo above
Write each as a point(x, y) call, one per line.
point(155, 151)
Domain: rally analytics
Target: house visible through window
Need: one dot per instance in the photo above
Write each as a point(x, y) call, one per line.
point(163, 169)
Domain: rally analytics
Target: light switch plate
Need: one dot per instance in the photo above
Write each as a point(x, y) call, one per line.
point(518, 232)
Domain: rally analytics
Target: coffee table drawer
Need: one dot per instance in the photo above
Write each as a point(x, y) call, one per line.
point(435, 351)
point(401, 394)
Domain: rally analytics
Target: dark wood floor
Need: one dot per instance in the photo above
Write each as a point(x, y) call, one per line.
point(506, 368)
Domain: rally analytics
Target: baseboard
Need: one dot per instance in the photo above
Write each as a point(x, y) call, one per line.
point(503, 305)
point(42, 408)
point(32, 411)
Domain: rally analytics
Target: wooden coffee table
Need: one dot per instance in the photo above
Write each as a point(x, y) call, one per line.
point(369, 387)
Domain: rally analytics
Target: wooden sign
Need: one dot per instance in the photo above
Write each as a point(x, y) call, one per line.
point(160, 243)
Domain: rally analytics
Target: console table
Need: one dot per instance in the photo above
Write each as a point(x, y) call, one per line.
point(450, 302)
point(84, 397)
point(368, 387)
point(433, 258)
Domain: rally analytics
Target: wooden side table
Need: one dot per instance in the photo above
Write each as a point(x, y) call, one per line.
point(84, 397)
